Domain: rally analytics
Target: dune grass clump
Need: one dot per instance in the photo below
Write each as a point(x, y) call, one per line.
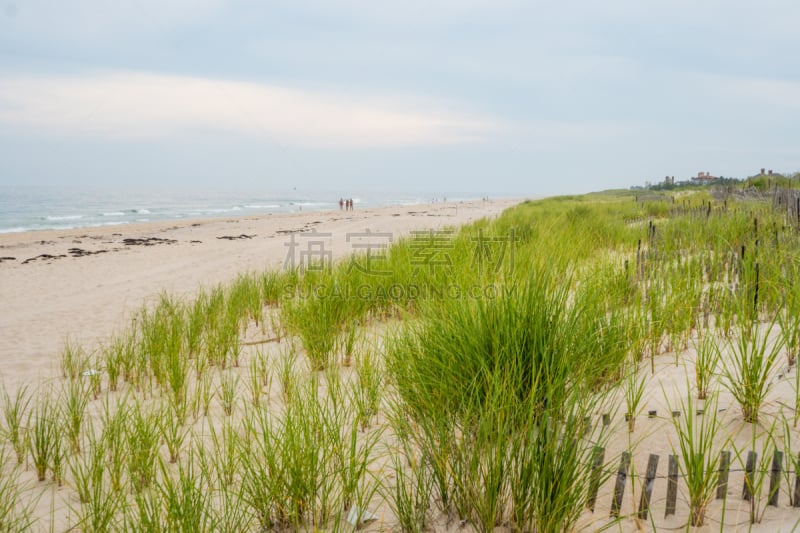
point(246, 299)
point(789, 319)
point(698, 452)
point(43, 435)
point(368, 389)
point(173, 431)
point(531, 338)
point(634, 391)
point(118, 356)
point(74, 360)
point(72, 410)
point(16, 506)
point(228, 385)
point(186, 499)
point(706, 362)
point(495, 392)
point(317, 319)
point(410, 496)
point(15, 414)
point(307, 466)
point(747, 375)
point(143, 438)
point(759, 483)
point(99, 502)
point(551, 470)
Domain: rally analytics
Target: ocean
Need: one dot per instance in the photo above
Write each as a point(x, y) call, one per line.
point(29, 208)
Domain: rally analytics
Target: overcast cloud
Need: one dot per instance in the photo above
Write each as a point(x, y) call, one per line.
point(497, 97)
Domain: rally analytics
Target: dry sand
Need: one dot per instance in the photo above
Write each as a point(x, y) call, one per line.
point(89, 297)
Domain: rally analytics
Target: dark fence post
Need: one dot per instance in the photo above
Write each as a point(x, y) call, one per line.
point(724, 469)
point(775, 478)
point(598, 454)
point(672, 485)
point(748, 475)
point(796, 499)
point(647, 490)
point(619, 486)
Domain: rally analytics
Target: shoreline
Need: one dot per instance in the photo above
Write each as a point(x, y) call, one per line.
point(54, 209)
point(84, 283)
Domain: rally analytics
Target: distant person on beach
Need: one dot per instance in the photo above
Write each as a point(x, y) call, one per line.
point(341, 204)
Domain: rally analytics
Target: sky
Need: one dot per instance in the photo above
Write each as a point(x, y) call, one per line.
point(497, 97)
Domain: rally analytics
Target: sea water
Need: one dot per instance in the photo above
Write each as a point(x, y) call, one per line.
point(29, 208)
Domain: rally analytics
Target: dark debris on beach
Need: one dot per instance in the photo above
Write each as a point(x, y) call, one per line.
point(147, 241)
point(236, 237)
point(44, 257)
point(79, 252)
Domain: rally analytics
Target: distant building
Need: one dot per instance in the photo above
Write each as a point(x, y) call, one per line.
point(765, 172)
point(704, 177)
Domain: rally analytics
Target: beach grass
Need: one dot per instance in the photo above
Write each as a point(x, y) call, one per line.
point(698, 449)
point(748, 375)
point(456, 382)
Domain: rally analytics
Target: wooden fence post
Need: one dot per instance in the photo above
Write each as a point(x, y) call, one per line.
point(672, 485)
point(724, 470)
point(647, 490)
point(775, 478)
point(748, 475)
point(796, 499)
point(619, 486)
point(598, 454)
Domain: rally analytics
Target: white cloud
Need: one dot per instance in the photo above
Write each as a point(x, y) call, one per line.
point(745, 95)
point(415, 12)
point(141, 105)
point(558, 136)
point(93, 20)
point(773, 93)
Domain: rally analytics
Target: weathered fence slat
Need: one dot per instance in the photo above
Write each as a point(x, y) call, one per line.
point(599, 454)
point(619, 486)
point(748, 475)
point(775, 478)
point(724, 470)
point(796, 499)
point(672, 485)
point(647, 490)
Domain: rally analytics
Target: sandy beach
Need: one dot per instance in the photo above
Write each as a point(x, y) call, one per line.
point(84, 284)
